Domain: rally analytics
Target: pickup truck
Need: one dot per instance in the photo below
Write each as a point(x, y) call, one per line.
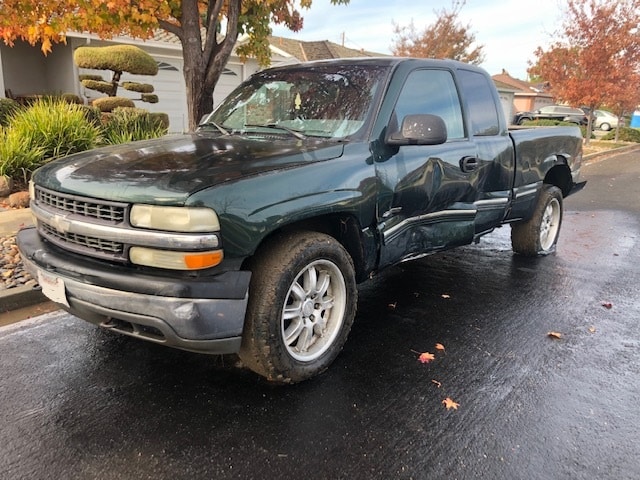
point(250, 235)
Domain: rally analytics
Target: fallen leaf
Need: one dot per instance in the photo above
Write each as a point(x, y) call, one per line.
point(437, 383)
point(554, 335)
point(444, 295)
point(392, 306)
point(439, 346)
point(426, 357)
point(450, 404)
point(592, 329)
point(607, 305)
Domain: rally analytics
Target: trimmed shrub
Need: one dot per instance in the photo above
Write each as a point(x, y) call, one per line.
point(137, 87)
point(161, 119)
point(72, 98)
point(7, 108)
point(131, 124)
point(556, 123)
point(149, 98)
point(92, 114)
point(46, 130)
point(98, 85)
point(118, 58)
point(86, 76)
point(626, 134)
point(108, 104)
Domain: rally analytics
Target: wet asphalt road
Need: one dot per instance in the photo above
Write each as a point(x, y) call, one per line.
point(77, 402)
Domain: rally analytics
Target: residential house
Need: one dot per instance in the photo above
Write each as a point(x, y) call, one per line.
point(527, 97)
point(25, 71)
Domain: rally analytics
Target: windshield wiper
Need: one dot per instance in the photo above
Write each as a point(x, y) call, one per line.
point(295, 133)
point(220, 128)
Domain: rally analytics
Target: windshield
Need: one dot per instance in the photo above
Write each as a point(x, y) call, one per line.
point(322, 101)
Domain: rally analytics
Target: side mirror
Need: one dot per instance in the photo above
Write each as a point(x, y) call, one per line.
point(419, 130)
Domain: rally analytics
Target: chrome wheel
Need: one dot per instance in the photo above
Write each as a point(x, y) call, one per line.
point(550, 224)
point(314, 309)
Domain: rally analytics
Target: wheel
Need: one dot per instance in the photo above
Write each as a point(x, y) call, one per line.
point(523, 120)
point(539, 234)
point(605, 127)
point(302, 301)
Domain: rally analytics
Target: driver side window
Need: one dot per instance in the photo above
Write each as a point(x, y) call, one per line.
point(432, 92)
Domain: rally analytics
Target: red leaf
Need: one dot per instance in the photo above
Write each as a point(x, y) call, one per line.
point(450, 404)
point(426, 357)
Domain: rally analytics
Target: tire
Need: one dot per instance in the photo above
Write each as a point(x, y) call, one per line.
point(605, 127)
point(539, 234)
point(302, 302)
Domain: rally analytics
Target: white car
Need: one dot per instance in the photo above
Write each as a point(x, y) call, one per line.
point(604, 120)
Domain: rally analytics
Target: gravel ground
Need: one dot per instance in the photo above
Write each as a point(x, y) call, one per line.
point(11, 267)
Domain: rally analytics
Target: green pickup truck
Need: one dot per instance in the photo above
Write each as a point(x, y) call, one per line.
point(250, 235)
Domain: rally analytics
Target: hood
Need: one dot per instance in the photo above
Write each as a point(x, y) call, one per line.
point(169, 169)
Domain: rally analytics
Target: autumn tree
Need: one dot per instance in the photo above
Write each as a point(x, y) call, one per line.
point(447, 37)
point(207, 30)
point(595, 59)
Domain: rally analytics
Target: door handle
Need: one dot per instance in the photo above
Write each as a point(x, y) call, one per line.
point(468, 164)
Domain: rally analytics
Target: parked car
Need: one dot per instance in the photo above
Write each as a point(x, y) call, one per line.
point(604, 120)
point(553, 112)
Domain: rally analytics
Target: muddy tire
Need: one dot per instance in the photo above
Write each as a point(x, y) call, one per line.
point(302, 301)
point(539, 234)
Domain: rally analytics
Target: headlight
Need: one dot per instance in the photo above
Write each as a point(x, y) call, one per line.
point(174, 219)
point(173, 260)
point(32, 190)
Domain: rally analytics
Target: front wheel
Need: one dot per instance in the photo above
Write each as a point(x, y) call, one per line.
point(302, 301)
point(539, 234)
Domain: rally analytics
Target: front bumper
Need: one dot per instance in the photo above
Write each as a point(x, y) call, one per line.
point(204, 314)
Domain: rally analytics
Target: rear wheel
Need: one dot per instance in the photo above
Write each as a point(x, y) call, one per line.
point(302, 301)
point(539, 234)
point(605, 127)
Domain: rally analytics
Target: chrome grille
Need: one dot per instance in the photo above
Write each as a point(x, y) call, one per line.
point(109, 212)
point(96, 247)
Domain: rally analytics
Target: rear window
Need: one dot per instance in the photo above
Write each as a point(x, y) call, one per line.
point(480, 100)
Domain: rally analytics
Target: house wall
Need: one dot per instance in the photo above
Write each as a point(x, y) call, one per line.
point(531, 103)
point(24, 69)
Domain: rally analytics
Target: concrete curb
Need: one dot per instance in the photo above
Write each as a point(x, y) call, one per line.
point(21, 297)
point(587, 159)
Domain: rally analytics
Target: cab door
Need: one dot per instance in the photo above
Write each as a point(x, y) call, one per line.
point(427, 200)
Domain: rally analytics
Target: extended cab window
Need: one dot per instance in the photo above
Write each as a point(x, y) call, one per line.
point(433, 92)
point(482, 106)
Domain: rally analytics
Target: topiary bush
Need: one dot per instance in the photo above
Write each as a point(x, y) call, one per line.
point(108, 104)
point(131, 124)
point(626, 134)
point(7, 108)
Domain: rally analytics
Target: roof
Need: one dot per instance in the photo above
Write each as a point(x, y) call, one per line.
point(317, 50)
point(520, 86)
